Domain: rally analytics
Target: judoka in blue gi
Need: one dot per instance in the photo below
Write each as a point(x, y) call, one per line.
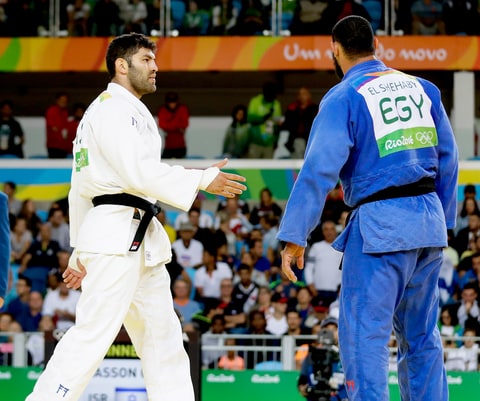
point(387, 137)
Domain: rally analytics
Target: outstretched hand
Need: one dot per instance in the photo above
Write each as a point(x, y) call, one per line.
point(290, 253)
point(73, 277)
point(226, 184)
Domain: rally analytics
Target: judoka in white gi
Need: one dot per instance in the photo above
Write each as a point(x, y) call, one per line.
point(124, 280)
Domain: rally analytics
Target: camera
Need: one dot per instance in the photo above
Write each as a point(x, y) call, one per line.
point(324, 356)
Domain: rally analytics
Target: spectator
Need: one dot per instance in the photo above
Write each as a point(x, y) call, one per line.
point(465, 237)
point(78, 18)
point(469, 207)
point(264, 113)
point(182, 302)
point(189, 251)
point(209, 276)
point(56, 119)
point(264, 303)
point(427, 18)
point(469, 351)
point(205, 219)
point(40, 258)
point(59, 308)
point(260, 262)
point(271, 245)
point(298, 121)
point(467, 308)
point(448, 323)
point(257, 325)
point(173, 120)
point(12, 137)
point(59, 228)
point(322, 273)
point(78, 110)
point(403, 16)
point(309, 18)
point(20, 240)
point(237, 136)
point(304, 304)
point(277, 321)
point(245, 292)
point(176, 271)
point(266, 207)
point(202, 234)
point(14, 205)
point(136, 16)
point(19, 304)
point(195, 21)
point(252, 19)
point(30, 317)
point(224, 17)
point(461, 17)
point(339, 9)
point(240, 204)
point(170, 230)
point(29, 213)
point(106, 18)
point(231, 361)
point(210, 357)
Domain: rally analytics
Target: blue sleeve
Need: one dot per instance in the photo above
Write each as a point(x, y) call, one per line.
point(447, 175)
point(4, 244)
point(327, 150)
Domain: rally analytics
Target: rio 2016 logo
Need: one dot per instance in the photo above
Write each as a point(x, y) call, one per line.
point(424, 137)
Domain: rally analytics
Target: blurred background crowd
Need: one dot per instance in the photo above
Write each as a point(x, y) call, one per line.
point(226, 277)
point(234, 17)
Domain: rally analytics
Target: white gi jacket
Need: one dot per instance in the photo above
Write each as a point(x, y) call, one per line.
point(118, 149)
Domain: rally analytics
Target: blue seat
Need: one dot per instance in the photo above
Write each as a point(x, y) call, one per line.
point(43, 214)
point(375, 10)
point(269, 365)
point(178, 9)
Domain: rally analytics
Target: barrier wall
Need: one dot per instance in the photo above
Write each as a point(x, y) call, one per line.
point(118, 379)
point(239, 53)
point(48, 180)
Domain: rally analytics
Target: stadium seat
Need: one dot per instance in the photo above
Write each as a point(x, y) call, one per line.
point(269, 365)
point(178, 9)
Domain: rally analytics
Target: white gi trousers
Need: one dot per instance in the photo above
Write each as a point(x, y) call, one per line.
point(120, 289)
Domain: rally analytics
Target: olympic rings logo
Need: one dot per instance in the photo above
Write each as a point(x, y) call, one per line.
point(424, 137)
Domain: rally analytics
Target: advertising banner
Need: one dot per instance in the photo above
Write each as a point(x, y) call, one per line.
point(255, 53)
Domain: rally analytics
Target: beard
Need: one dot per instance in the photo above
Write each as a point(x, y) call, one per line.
point(141, 84)
point(338, 69)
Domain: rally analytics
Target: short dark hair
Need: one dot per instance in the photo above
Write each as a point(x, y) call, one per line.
point(355, 35)
point(125, 46)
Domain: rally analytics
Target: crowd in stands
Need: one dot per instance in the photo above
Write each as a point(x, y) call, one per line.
point(235, 17)
point(226, 277)
point(253, 132)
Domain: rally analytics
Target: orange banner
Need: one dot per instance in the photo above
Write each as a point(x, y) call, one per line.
point(239, 53)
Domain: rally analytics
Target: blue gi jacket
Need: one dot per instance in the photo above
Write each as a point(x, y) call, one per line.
point(378, 128)
point(4, 244)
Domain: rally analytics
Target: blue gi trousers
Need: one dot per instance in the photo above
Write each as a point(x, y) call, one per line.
point(379, 292)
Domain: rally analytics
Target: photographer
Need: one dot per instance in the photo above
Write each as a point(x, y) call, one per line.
point(321, 377)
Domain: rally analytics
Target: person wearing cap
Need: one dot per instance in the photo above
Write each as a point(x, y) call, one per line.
point(189, 251)
point(387, 137)
point(173, 120)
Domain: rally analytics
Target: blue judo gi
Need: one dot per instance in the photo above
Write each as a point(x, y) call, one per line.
point(380, 128)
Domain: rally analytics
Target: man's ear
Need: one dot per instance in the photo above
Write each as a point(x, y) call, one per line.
point(121, 66)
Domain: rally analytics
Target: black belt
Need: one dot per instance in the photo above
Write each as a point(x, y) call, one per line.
point(150, 210)
point(423, 186)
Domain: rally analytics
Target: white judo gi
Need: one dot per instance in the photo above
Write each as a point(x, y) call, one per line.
point(117, 150)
